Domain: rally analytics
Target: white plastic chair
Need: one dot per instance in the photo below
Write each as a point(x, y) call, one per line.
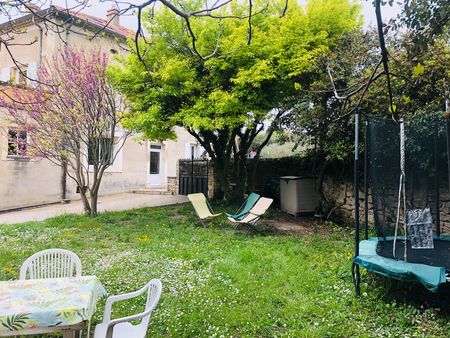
point(121, 327)
point(51, 263)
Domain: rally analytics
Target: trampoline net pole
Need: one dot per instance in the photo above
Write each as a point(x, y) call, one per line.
point(355, 267)
point(436, 179)
point(366, 182)
point(356, 184)
point(447, 127)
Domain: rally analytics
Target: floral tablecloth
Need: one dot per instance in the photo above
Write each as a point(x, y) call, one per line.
point(41, 303)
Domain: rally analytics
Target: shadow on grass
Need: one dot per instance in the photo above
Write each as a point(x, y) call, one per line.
point(408, 293)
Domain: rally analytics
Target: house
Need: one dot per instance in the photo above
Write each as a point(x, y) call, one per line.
point(26, 181)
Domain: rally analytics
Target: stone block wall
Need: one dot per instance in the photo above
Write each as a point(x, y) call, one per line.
point(340, 192)
point(212, 181)
point(172, 185)
point(184, 168)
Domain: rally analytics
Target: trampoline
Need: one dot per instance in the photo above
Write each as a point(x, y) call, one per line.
point(405, 176)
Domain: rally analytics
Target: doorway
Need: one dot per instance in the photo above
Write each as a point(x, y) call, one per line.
point(156, 165)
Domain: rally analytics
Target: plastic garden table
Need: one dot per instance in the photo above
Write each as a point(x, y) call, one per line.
point(37, 306)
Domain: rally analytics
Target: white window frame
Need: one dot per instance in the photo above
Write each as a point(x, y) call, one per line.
point(17, 155)
point(18, 77)
point(191, 148)
point(117, 165)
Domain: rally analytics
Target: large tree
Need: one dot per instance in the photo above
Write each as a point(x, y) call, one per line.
point(244, 85)
point(72, 118)
point(346, 83)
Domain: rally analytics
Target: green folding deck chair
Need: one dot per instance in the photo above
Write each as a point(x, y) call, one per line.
point(202, 208)
point(245, 207)
point(253, 215)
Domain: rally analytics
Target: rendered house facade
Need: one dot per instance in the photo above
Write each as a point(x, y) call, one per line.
point(27, 182)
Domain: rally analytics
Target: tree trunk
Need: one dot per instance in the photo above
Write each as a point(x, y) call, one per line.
point(221, 170)
point(63, 180)
point(256, 160)
point(98, 175)
point(85, 200)
point(320, 180)
point(241, 178)
point(94, 200)
point(252, 177)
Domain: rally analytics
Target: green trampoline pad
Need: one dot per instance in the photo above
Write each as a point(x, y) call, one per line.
point(430, 276)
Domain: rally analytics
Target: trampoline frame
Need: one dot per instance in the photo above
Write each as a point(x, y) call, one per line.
point(356, 262)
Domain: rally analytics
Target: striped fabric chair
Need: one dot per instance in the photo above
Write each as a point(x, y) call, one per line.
point(254, 215)
point(202, 208)
point(245, 207)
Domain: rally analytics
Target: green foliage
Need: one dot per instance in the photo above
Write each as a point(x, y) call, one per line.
point(419, 82)
point(426, 20)
point(315, 123)
point(422, 131)
point(244, 82)
point(175, 87)
point(217, 283)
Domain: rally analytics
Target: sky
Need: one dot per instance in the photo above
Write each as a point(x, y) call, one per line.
point(99, 8)
point(387, 12)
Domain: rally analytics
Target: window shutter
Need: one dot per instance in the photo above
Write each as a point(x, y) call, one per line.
point(5, 73)
point(32, 73)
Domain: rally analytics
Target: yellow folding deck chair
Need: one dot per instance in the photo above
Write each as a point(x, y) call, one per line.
point(253, 215)
point(202, 208)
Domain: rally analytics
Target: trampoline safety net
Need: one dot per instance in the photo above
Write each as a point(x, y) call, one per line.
point(426, 172)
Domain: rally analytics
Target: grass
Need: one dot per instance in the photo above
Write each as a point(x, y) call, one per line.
point(220, 284)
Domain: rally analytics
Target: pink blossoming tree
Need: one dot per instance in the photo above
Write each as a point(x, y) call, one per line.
point(72, 118)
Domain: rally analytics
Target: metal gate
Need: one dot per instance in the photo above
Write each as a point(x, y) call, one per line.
point(193, 176)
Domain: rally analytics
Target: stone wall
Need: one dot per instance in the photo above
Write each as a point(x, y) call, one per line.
point(172, 185)
point(213, 185)
point(185, 167)
point(341, 193)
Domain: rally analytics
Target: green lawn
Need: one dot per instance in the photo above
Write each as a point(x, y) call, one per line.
point(217, 283)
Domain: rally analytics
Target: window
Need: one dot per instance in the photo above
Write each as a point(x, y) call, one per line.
point(17, 142)
point(13, 74)
point(100, 151)
point(17, 76)
point(190, 150)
